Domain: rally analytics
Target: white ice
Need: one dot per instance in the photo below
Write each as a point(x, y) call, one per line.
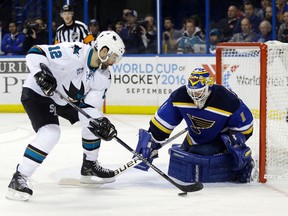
point(134, 192)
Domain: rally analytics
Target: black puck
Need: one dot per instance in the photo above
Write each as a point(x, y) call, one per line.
point(182, 194)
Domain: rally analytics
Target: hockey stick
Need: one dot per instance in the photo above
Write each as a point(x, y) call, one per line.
point(135, 161)
point(130, 164)
point(185, 188)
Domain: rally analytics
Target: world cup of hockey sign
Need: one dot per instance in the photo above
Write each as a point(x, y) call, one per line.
point(148, 81)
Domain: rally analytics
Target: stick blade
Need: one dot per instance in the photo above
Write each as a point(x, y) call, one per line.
point(197, 186)
point(76, 183)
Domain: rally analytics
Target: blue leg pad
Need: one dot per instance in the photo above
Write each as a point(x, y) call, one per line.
point(188, 167)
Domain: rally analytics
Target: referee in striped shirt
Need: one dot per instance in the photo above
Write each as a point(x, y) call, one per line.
point(72, 30)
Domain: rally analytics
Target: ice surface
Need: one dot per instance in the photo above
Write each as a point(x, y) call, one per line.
point(134, 192)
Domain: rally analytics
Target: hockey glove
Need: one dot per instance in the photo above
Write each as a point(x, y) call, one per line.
point(103, 128)
point(235, 144)
point(147, 147)
point(46, 80)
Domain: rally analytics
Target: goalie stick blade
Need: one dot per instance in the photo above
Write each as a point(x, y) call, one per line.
point(197, 186)
point(77, 183)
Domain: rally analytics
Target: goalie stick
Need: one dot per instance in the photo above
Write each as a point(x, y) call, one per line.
point(185, 188)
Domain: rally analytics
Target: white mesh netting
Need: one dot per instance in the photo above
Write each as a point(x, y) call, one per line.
point(241, 73)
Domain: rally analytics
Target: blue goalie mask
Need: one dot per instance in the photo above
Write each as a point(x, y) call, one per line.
point(199, 86)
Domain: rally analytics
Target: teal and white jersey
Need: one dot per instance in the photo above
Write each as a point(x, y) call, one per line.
point(69, 63)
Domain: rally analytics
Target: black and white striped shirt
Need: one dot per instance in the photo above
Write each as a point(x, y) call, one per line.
point(77, 32)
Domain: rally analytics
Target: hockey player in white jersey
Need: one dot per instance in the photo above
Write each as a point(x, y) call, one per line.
point(79, 72)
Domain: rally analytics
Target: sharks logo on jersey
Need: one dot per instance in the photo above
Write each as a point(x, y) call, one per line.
point(76, 49)
point(199, 123)
point(76, 95)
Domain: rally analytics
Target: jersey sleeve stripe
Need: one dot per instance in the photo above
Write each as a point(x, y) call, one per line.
point(218, 111)
point(36, 50)
point(160, 126)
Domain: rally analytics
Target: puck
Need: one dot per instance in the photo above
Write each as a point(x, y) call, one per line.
point(182, 194)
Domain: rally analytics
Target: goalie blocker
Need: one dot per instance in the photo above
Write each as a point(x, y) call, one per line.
point(188, 167)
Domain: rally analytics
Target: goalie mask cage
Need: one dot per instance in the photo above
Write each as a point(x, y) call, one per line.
point(258, 74)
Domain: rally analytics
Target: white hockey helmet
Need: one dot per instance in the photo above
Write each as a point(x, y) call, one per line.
point(113, 42)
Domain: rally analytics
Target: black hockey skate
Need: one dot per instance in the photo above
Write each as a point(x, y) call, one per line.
point(93, 173)
point(18, 188)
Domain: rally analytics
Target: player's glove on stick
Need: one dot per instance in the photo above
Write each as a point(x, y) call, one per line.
point(148, 147)
point(46, 80)
point(103, 128)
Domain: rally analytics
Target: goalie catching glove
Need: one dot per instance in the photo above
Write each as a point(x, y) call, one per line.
point(46, 80)
point(147, 147)
point(103, 128)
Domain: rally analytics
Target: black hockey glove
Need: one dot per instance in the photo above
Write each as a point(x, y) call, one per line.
point(46, 80)
point(103, 128)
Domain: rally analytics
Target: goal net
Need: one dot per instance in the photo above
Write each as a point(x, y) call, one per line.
point(258, 73)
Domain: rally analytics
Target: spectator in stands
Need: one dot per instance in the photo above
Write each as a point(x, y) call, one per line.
point(265, 32)
point(191, 40)
point(281, 8)
point(261, 12)
point(283, 29)
point(228, 24)
point(149, 34)
point(215, 37)
point(125, 13)
point(12, 42)
point(268, 17)
point(249, 13)
point(94, 28)
point(246, 35)
point(119, 26)
point(35, 33)
point(132, 34)
point(198, 23)
point(72, 30)
point(170, 36)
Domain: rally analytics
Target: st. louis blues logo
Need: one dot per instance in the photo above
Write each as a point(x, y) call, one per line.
point(199, 123)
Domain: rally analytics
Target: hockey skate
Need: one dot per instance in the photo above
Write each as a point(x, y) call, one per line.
point(18, 188)
point(93, 173)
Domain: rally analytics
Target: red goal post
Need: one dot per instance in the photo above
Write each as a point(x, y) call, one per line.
point(257, 72)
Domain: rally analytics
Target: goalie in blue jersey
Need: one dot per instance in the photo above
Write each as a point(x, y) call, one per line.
point(218, 123)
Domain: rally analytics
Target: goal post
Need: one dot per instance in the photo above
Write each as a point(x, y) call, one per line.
point(258, 73)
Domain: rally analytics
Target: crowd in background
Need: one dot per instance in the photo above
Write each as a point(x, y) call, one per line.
point(247, 23)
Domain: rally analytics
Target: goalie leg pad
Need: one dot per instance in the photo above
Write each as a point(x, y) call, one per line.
point(188, 167)
point(244, 175)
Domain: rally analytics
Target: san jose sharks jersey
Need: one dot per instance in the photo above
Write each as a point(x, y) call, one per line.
point(223, 111)
point(70, 65)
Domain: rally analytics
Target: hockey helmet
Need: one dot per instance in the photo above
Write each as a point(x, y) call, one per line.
point(199, 85)
point(113, 42)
